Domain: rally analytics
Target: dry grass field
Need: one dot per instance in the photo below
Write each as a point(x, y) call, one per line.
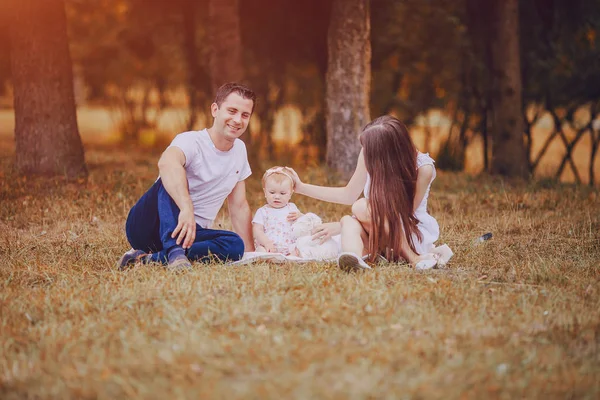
point(518, 316)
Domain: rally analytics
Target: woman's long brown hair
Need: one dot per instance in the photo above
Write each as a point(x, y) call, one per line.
point(391, 161)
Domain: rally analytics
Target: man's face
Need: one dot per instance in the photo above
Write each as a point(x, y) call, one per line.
point(278, 194)
point(232, 118)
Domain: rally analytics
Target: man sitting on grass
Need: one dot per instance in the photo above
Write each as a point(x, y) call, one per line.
point(198, 171)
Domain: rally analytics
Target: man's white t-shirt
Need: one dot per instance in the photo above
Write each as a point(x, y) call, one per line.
point(211, 173)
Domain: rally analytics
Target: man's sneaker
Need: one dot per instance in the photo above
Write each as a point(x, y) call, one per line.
point(351, 262)
point(179, 264)
point(130, 257)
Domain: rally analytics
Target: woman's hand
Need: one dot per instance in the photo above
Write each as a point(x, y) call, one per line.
point(297, 182)
point(324, 232)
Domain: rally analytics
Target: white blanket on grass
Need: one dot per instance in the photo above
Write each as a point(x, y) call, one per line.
point(443, 255)
point(278, 258)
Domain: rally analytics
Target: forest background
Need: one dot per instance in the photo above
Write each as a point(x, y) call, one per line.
point(144, 71)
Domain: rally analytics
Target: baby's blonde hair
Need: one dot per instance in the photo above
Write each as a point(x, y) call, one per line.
point(279, 174)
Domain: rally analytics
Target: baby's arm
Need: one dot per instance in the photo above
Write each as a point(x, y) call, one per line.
point(261, 238)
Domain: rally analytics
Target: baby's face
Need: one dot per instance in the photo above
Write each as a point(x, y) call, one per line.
point(278, 194)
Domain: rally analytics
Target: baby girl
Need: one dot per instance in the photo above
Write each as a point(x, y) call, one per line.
point(272, 223)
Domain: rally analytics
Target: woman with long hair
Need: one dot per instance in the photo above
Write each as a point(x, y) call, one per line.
point(391, 220)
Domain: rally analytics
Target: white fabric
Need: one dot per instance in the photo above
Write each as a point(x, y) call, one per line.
point(427, 225)
point(307, 247)
point(276, 226)
point(211, 173)
point(278, 258)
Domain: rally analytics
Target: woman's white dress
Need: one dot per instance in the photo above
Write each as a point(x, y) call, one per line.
point(428, 226)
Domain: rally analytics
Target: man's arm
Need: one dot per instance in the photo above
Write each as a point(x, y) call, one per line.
point(174, 179)
point(240, 214)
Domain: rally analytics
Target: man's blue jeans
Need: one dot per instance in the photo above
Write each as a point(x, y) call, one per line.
point(153, 219)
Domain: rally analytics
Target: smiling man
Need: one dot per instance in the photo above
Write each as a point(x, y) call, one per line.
point(171, 222)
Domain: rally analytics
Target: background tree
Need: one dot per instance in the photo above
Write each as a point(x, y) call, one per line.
point(46, 133)
point(348, 82)
point(432, 66)
point(225, 41)
point(509, 157)
point(198, 79)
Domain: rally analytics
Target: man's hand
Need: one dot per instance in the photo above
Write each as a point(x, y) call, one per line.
point(324, 232)
point(294, 215)
point(186, 228)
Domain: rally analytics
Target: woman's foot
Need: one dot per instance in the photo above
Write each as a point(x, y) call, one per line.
point(351, 262)
point(437, 258)
point(427, 261)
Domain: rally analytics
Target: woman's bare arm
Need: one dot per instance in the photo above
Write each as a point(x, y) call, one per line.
point(424, 176)
point(342, 195)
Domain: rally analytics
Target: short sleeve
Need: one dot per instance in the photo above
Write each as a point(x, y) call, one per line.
point(186, 142)
point(424, 159)
point(293, 207)
point(259, 217)
point(246, 171)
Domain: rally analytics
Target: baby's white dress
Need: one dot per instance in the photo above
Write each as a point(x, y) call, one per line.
point(276, 226)
point(428, 226)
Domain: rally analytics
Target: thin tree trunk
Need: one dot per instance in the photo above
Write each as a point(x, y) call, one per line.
point(348, 81)
point(224, 35)
point(486, 144)
point(509, 155)
point(594, 151)
point(188, 11)
point(46, 133)
point(225, 41)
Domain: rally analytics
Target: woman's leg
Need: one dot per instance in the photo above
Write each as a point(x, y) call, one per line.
point(360, 209)
point(354, 237)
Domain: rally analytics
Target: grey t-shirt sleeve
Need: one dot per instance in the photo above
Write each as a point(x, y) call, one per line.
point(186, 142)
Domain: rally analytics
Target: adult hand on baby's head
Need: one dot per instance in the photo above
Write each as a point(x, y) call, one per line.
point(296, 178)
point(324, 232)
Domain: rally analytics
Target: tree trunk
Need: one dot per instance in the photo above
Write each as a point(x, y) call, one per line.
point(224, 36)
point(46, 133)
point(348, 82)
point(509, 155)
point(188, 11)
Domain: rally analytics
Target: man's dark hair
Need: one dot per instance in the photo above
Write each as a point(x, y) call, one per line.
point(233, 87)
